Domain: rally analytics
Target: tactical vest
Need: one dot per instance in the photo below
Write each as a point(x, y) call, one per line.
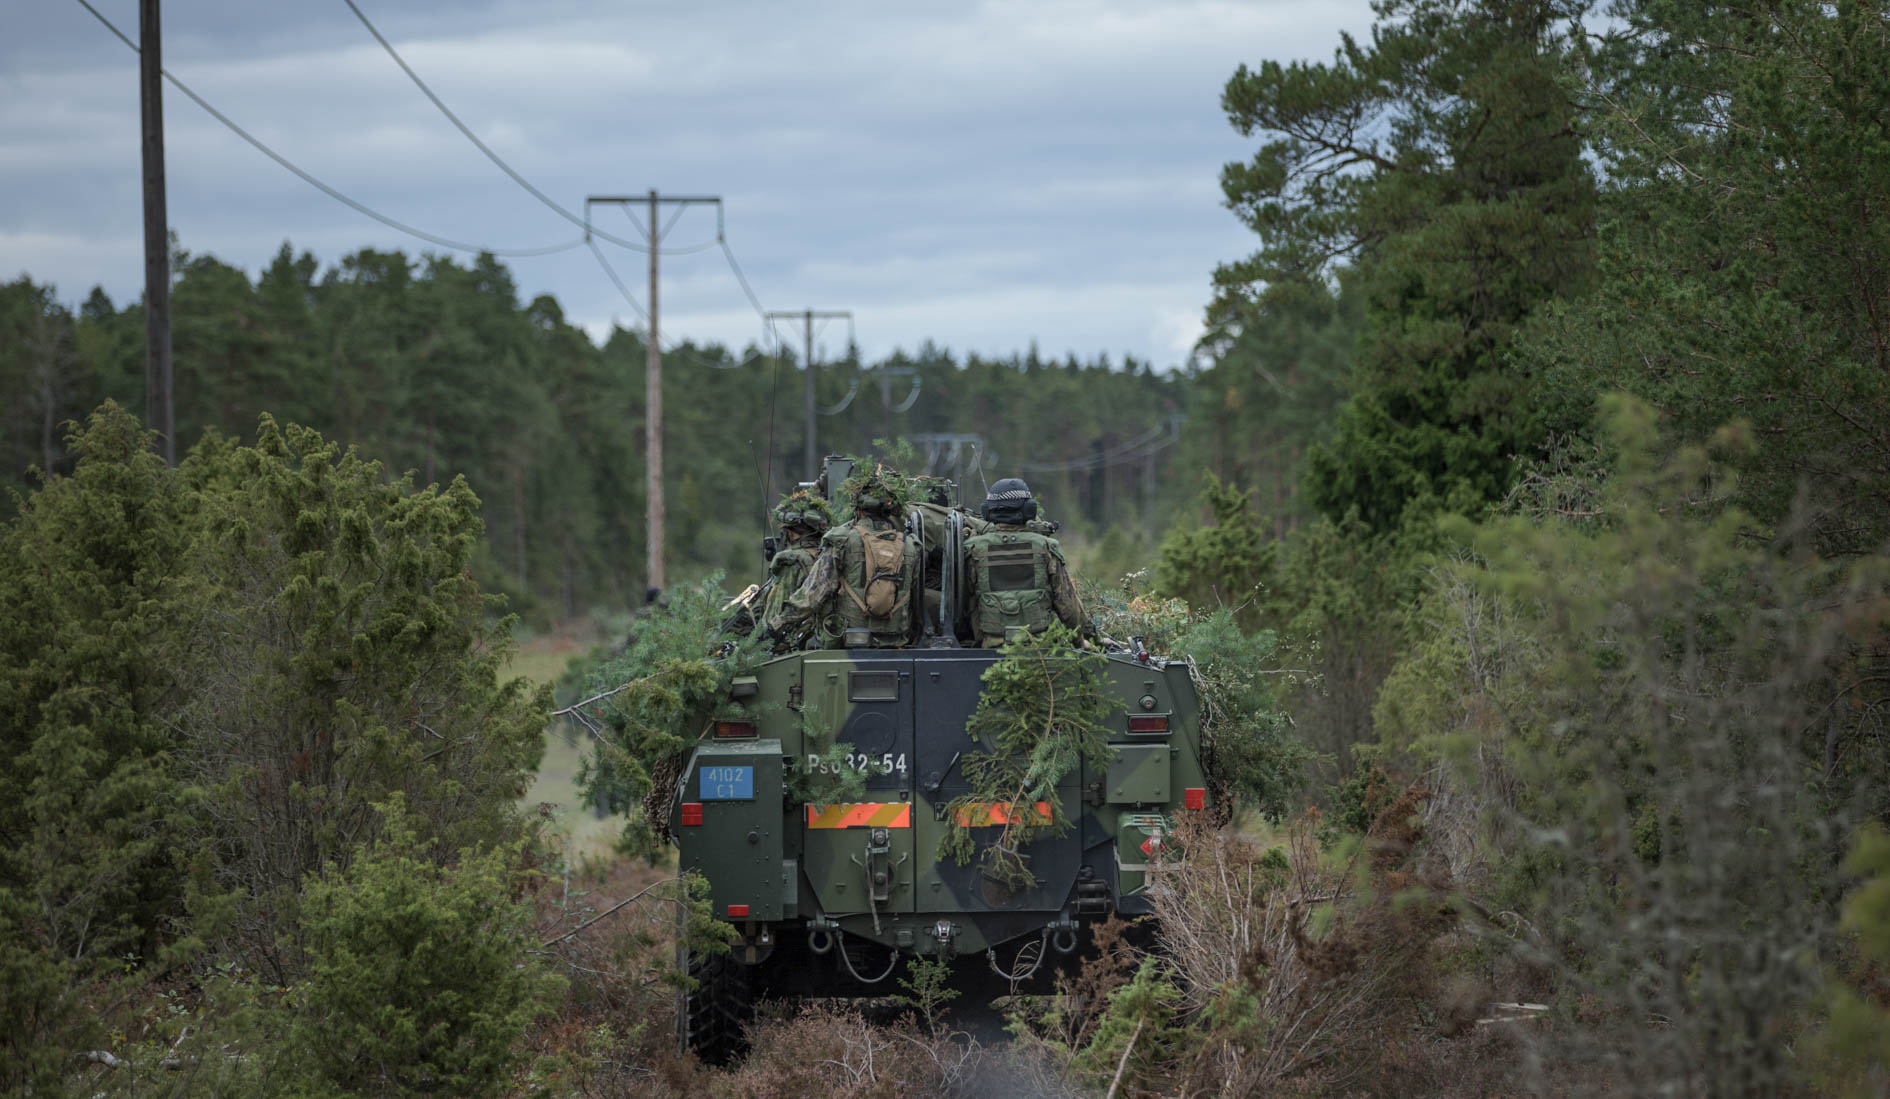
point(860, 592)
point(1012, 568)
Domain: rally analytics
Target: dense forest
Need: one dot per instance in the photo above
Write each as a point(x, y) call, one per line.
point(1529, 499)
point(437, 367)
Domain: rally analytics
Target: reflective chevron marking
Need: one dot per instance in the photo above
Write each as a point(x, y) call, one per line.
point(870, 814)
point(985, 814)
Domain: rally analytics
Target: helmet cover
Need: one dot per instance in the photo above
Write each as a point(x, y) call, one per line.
point(1008, 500)
point(805, 511)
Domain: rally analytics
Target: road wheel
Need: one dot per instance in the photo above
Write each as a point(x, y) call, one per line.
point(710, 1018)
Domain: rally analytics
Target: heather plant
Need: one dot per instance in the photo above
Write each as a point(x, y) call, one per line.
point(1297, 967)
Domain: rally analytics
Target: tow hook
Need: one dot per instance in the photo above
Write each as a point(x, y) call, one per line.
point(878, 869)
point(1063, 933)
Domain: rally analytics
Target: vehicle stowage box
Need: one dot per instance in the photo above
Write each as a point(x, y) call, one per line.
point(731, 829)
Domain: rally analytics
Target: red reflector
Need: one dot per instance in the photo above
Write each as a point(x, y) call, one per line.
point(734, 730)
point(691, 812)
point(1148, 723)
point(738, 910)
point(1194, 797)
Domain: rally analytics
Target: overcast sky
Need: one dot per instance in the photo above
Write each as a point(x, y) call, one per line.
point(983, 175)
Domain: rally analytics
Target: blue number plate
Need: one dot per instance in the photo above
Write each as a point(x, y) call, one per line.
point(728, 784)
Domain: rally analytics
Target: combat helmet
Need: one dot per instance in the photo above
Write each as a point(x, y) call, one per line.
point(1008, 501)
point(805, 511)
point(934, 490)
point(879, 491)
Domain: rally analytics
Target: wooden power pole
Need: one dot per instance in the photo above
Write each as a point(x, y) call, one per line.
point(158, 415)
point(653, 370)
point(810, 449)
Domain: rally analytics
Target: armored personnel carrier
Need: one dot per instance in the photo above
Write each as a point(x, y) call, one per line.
point(831, 899)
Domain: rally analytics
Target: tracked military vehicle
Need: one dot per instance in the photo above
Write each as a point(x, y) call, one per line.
point(830, 899)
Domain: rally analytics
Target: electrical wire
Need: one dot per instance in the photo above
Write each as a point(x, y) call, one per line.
point(391, 223)
point(912, 398)
point(853, 391)
point(1093, 464)
point(542, 197)
point(654, 234)
point(617, 282)
point(448, 242)
point(1150, 442)
point(722, 239)
point(671, 349)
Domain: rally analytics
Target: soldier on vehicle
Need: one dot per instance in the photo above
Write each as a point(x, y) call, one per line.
point(804, 517)
point(1015, 577)
point(864, 582)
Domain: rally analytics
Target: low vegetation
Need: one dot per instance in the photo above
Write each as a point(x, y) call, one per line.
point(1538, 597)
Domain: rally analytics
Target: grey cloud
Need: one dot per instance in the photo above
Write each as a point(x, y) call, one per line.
point(982, 175)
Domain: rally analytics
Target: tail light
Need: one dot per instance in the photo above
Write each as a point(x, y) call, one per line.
point(735, 910)
point(1148, 723)
point(1194, 797)
point(691, 813)
point(734, 730)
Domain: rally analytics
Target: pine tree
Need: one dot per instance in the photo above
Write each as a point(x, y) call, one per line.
point(1443, 161)
point(1747, 246)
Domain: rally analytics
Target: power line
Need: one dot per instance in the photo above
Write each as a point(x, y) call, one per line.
point(671, 348)
point(590, 229)
point(616, 281)
point(1092, 460)
point(808, 317)
point(495, 158)
point(1145, 445)
point(391, 223)
point(722, 239)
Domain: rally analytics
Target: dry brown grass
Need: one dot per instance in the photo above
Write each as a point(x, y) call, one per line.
point(1299, 973)
point(616, 1025)
point(1306, 973)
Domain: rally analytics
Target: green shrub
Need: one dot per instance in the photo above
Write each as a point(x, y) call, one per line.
point(421, 977)
point(1224, 564)
point(346, 655)
point(90, 603)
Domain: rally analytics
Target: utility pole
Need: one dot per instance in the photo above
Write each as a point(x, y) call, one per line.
point(157, 237)
point(653, 369)
point(811, 452)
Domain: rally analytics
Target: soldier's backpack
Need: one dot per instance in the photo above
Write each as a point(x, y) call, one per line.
point(884, 556)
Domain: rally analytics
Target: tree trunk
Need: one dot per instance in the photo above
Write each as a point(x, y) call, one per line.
point(518, 525)
point(570, 587)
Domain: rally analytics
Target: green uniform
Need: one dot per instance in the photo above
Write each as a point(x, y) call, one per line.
point(1016, 577)
point(838, 593)
point(789, 568)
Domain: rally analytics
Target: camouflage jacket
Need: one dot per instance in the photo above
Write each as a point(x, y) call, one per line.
point(789, 569)
point(818, 595)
